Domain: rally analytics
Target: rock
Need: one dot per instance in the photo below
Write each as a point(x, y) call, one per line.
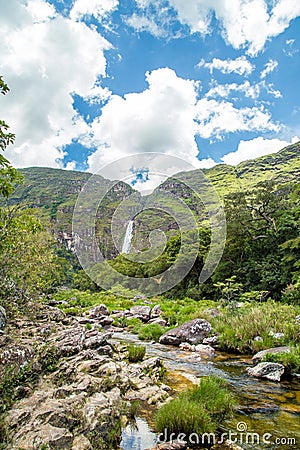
point(185, 346)
point(211, 340)
point(70, 341)
point(268, 370)
point(192, 332)
point(258, 357)
point(46, 435)
point(258, 339)
point(276, 335)
point(2, 318)
point(98, 311)
point(16, 355)
point(105, 321)
point(81, 443)
point(205, 349)
point(155, 312)
point(158, 321)
point(140, 312)
point(151, 363)
point(297, 319)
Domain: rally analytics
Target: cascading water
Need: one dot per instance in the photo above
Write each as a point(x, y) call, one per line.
point(128, 237)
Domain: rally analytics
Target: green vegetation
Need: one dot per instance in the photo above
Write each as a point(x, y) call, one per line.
point(136, 353)
point(238, 327)
point(290, 360)
point(199, 410)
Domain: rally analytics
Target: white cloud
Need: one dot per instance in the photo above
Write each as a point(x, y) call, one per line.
point(96, 8)
point(254, 148)
point(240, 65)
point(44, 63)
point(143, 23)
point(269, 67)
point(215, 119)
point(245, 23)
point(247, 89)
point(159, 119)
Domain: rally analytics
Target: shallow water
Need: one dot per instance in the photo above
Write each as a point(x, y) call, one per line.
point(263, 407)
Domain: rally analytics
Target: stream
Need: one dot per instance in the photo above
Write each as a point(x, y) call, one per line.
point(263, 407)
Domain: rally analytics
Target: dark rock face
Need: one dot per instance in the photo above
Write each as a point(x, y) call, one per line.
point(258, 357)
point(2, 318)
point(192, 332)
point(268, 370)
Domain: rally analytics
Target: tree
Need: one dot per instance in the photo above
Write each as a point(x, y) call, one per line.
point(9, 176)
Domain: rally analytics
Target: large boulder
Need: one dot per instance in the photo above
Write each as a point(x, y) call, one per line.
point(258, 357)
point(268, 370)
point(98, 312)
point(192, 332)
point(2, 318)
point(140, 312)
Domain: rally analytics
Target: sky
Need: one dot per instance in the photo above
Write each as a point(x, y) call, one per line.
point(92, 81)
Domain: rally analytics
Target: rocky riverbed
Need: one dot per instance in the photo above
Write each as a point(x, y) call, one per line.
point(76, 386)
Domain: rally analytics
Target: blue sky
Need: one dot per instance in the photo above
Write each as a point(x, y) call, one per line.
point(93, 81)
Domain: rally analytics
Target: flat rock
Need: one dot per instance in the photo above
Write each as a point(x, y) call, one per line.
point(140, 312)
point(258, 357)
point(192, 332)
point(267, 370)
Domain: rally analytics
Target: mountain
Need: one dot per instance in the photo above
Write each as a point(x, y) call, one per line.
point(54, 192)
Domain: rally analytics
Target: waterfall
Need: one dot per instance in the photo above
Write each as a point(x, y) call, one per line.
point(127, 239)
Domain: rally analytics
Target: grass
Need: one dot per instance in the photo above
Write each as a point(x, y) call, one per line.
point(291, 360)
point(136, 353)
point(151, 332)
point(238, 328)
point(199, 410)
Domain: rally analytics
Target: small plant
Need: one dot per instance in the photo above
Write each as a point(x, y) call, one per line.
point(88, 326)
point(151, 332)
point(199, 410)
point(291, 360)
point(136, 353)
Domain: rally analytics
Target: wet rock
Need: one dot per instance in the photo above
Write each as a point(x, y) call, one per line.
point(98, 312)
point(268, 370)
point(2, 318)
point(158, 321)
point(140, 312)
point(205, 349)
point(258, 357)
point(185, 346)
point(192, 332)
point(155, 312)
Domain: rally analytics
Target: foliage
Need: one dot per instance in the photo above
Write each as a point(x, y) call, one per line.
point(239, 327)
point(136, 353)
point(151, 332)
point(198, 410)
point(291, 360)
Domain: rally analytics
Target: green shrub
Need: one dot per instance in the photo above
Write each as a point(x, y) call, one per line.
point(88, 326)
point(291, 360)
point(199, 410)
point(136, 353)
point(151, 332)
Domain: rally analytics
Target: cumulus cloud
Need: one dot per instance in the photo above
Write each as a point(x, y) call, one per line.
point(218, 118)
point(245, 23)
point(254, 148)
point(240, 65)
point(97, 8)
point(45, 63)
point(166, 117)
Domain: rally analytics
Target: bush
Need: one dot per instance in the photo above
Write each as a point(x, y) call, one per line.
point(199, 410)
point(151, 332)
point(291, 360)
point(136, 353)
